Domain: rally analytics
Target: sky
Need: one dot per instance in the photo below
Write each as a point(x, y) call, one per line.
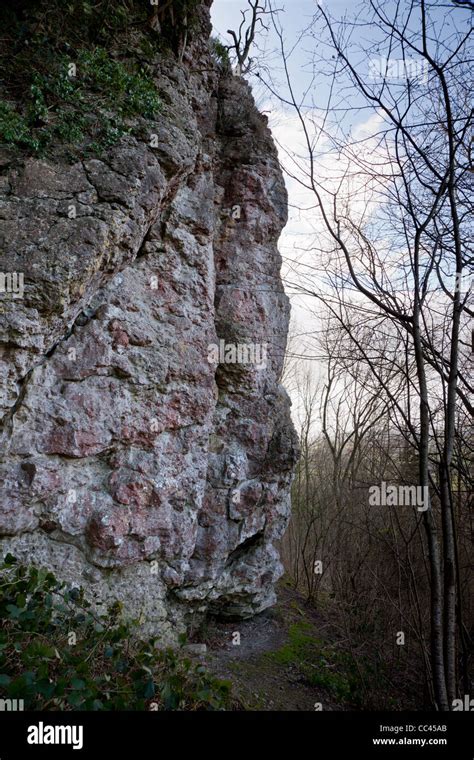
point(310, 63)
point(299, 232)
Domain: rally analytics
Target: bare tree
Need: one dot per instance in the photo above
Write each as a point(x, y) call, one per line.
point(244, 37)
point(395, 224)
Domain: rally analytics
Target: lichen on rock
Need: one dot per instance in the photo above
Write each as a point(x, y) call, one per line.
point(131, 463)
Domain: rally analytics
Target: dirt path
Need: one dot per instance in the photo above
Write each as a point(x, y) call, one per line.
point(268, 659)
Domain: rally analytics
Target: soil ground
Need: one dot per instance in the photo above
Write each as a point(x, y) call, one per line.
point(266, 667)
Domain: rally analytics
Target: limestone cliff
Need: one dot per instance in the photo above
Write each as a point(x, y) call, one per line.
point(141, 457)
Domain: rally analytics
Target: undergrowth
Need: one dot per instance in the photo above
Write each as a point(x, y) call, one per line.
point(328, 666)
point(89, 105)
point(57, 654)
point(79, 74)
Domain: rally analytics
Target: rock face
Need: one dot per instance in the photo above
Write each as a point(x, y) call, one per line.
point(146, 444)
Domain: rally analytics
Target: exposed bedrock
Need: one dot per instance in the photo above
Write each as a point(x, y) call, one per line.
point(147, 448)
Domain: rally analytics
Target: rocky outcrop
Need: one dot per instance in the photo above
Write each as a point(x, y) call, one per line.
point(146, 444)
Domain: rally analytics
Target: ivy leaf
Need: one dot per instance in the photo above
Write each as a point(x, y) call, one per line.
point(77, 684)
point(75, 699)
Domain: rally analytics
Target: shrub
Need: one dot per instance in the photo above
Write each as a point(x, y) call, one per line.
point(43, 108)
point(220, 52)
point(89, 110)
point(56, 653)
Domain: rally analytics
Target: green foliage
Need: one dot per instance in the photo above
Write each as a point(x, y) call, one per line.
point(221, 52)
point(43, 107)
point(132, 93)
point(298, 647)
point(14, 128)
point(57, 654)
point(89, 110)
point(335, 672)
point(326, 666)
